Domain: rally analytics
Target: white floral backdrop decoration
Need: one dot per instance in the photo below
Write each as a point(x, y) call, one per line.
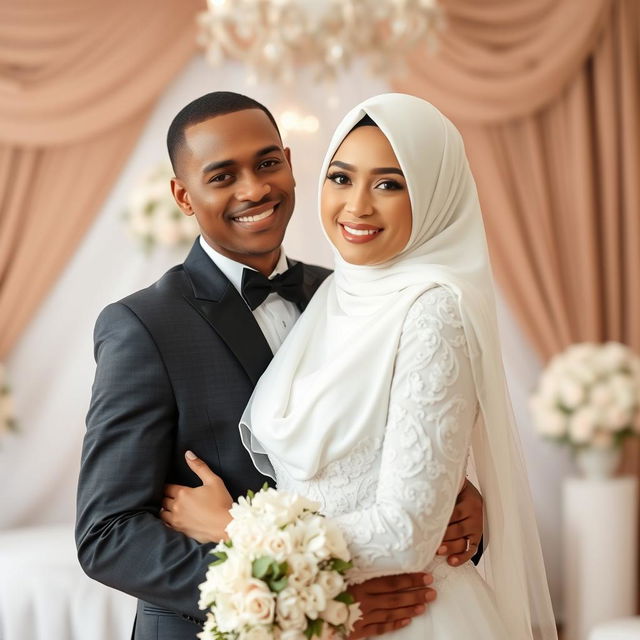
point(589, 396)
point(153, 217)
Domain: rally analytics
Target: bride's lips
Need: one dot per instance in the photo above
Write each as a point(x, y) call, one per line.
point(359, 233)
point(257, 218)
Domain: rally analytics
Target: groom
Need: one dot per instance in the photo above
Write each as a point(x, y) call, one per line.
point(177, 362)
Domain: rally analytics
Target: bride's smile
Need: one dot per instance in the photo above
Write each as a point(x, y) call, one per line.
point(365, 205)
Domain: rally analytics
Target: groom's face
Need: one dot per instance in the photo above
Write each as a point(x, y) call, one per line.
point(235, 176)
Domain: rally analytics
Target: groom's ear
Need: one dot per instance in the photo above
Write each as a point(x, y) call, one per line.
point(181, 196)
point(287, 155)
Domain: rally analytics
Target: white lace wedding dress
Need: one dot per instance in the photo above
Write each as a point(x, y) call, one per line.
point(393, 496)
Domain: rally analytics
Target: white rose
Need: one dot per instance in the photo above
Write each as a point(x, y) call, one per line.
point(277, 544)
point(319, 538)
point(335, 541)
point(624, 390)
point(303, 569)
point(281, 508)
point(209, 631)
point(582, 424)
point(602, 395)
point(233, 574)
point(257, 632)
point(548, 388)
point(331, 582)
point(570, 393)
point(159, 190)
point(272, 506)
point(166, 229)
point(313, 601)
point(248, 537)
point(290, 611)
point(613, 356)
point(616, 419)
point(582, 351)
point(258, 603)
point(140, 224)
point(335, 613)
point(228, 612)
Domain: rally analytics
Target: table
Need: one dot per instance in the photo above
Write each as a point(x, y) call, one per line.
point(44, 594)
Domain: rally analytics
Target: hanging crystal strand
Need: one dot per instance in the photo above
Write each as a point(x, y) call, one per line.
point(274, 38)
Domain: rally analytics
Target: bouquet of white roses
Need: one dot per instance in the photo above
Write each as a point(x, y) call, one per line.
point(280, 576)
point(152, 215)
point(589, 395)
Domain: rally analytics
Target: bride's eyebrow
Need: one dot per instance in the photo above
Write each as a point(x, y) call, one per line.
point(376, 171)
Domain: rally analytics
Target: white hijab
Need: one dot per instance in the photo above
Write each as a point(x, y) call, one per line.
point(328, 385)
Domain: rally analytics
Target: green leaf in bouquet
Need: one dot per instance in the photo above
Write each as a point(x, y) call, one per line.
point(250, 495)
point(265, 486)
point(340, 565)
point(228, 544)
point(345, 597)
point(221, 557)
point(314, 628)
point(277, 585)
point(262, 567)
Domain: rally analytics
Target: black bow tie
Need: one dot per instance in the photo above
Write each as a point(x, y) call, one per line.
point(256, 287)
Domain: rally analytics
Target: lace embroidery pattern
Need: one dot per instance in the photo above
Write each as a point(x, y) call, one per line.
point(392, 497)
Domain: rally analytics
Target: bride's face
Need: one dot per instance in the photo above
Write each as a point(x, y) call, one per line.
point(365, 204)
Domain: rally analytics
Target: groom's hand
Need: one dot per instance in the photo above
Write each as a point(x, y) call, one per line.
point(463, 535)
point(202, 513)
point(390, 602)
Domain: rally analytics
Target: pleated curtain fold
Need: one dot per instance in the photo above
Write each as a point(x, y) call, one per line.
point(77, 81)
point(547, 96)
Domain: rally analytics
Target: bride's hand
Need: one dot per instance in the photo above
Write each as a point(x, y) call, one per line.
point(464, 533)
point(202, 512)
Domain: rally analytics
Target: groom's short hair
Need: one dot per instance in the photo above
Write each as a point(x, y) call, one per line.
point(210, 105)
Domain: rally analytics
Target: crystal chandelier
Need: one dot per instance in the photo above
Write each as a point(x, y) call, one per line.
point(274, 38)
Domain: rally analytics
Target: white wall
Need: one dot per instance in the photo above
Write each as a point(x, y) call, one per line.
point(52, 366)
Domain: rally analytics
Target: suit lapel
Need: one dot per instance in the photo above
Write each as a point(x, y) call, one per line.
point(218, 302)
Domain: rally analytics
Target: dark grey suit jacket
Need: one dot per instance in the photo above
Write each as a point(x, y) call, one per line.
point(176, 365)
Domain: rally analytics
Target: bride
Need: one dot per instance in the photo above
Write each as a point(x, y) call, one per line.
point(390, 387)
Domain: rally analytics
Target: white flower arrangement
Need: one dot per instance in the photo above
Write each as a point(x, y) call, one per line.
point(152, 215)
point(7, 415)
point(589, 396)
point(281, 575)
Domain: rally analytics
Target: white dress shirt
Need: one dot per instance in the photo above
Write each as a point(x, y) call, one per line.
point(275, 316)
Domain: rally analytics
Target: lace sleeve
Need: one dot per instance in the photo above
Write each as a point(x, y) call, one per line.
point(431, 413)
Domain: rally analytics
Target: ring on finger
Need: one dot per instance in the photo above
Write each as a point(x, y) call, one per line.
point(468, 544)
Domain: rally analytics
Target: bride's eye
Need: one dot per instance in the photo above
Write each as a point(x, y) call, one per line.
point(389, 185)
point(338, 178)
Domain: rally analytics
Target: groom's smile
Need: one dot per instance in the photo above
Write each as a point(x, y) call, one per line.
point(235, 176)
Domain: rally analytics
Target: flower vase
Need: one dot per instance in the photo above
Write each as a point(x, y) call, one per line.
point(596, 463)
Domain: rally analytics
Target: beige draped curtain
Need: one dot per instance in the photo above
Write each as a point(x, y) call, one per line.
point(77, 80)
point(547, 96)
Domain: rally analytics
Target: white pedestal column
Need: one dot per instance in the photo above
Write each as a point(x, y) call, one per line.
point(600, 540)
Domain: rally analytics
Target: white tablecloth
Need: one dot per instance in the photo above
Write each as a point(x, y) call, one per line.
point(44, 595)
